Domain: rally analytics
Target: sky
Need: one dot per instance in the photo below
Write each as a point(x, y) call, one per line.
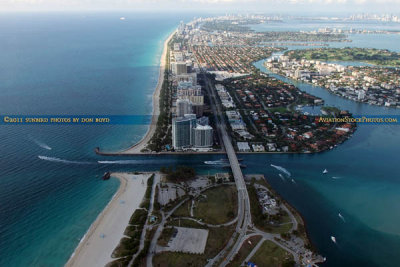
point(271, 6)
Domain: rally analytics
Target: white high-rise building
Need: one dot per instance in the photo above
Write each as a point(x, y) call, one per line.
point(182, 131)
point(183, 106)
point(203, 136)
point(361, 95)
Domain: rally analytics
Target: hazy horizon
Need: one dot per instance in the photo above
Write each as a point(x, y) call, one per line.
point(311, 7)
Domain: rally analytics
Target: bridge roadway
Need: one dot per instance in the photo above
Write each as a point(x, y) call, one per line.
point(244, 216)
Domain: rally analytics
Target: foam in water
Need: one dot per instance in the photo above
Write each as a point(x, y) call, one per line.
point(41, 144)
point(52, 159)
point(293, 181)
point(281, 169)
point(118, 161)
point(341, 217)
point(281, 176)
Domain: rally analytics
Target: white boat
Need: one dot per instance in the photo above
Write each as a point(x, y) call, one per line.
point(325, 171)
point(122, 18)
point(333, 239)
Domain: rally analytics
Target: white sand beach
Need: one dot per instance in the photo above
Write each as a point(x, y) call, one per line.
point(104, 234)
point(156, 105)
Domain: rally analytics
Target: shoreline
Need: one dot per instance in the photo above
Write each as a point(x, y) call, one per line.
point(104, 234)
point(136, 148)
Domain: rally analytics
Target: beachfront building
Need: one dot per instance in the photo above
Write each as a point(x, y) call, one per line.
point(179, 67)
point(183, 106)
point(182, 131)
point(203, 136)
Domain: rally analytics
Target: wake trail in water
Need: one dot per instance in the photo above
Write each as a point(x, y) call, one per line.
point(341, 217)
point(41, 144)
point(120, 161)
point(53, 159)
point(336, 177)
point(281, 176)
point(293, 181)
point(281, 169)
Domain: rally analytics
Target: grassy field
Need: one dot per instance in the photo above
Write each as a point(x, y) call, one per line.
point(217, 239)
point(165, 236)
point(185, 223)
point(272, 255)
point(368, 55)
point(244, 251)
point(219, 207)
point(183, 210)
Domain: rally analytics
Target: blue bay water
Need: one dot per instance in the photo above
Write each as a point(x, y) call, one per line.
point(98, 64)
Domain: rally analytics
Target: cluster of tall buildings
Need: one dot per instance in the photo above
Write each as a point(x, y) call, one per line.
point(190, 129)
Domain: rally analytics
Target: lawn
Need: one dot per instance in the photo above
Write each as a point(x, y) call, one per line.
point(219, 206)
point(270, 254)
point(244, 251)
point(183, 210)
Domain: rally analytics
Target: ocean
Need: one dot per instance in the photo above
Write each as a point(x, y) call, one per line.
point(95, 63)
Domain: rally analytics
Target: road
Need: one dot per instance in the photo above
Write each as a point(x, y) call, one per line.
point(244, 216)
point(160, 228)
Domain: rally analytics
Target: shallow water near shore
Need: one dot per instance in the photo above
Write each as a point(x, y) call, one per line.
point(98, 64)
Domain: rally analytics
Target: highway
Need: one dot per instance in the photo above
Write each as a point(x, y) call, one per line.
point(244, 215)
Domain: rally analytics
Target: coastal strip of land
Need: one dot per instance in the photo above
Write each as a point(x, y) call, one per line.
point(135, 149)
point(105, 233)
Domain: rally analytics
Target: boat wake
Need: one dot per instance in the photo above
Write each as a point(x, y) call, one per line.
point(216, 162)
point(282, 177)
point(119, 161)
point(281, 169)
point(341, 217)
point(63, 160)
point(41, 144)
point(336, 177)
point(293, 181)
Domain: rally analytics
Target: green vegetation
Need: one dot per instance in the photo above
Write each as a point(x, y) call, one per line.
point(181, 173)
point(183, 210)
point(162, 134)
point(129, 245)
point(165, 236)
point(331, 110)
point(227, 25)
point(217, 240)
point(368, 55)
point(218, 206)
point(146, 200)
point(244, 251)
point(186, 223)
point(270, 254)
point(278, 224)
point(301, 37)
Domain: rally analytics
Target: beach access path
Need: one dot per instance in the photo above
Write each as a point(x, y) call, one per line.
point(104, 234)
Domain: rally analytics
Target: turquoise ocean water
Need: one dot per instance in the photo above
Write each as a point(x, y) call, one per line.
point(97, 64)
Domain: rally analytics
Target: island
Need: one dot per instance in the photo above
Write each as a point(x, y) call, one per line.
point(365, 75)
point(185, 219)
